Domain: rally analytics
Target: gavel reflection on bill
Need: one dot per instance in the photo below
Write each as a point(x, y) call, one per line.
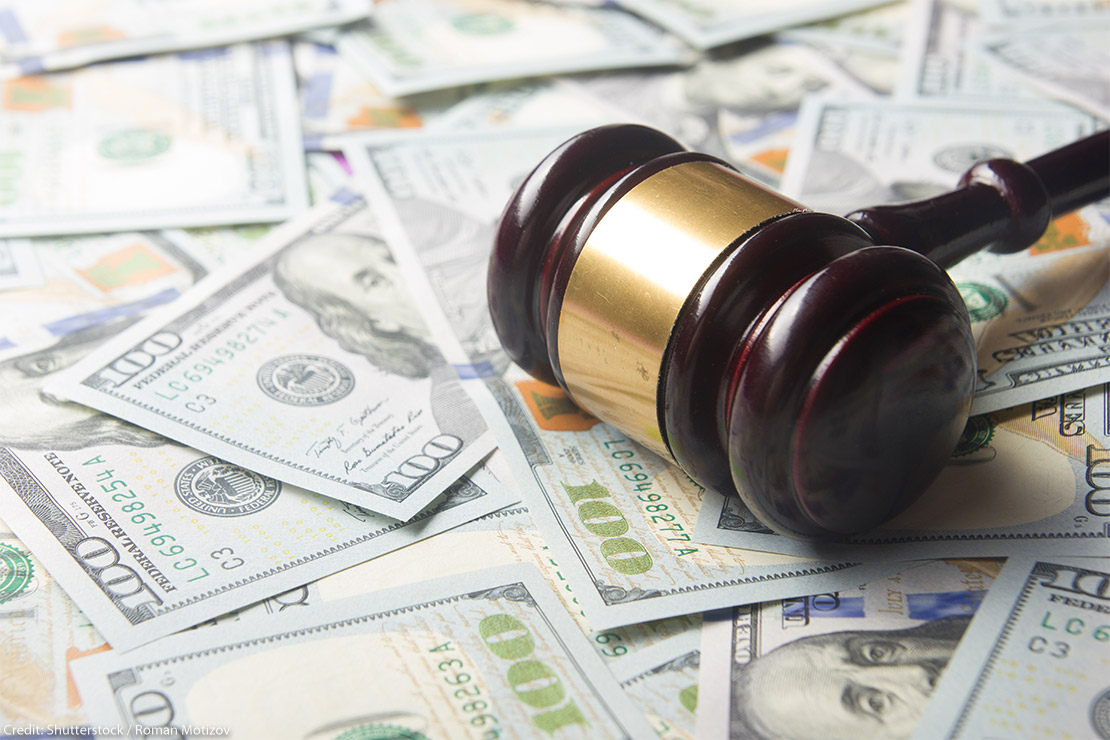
point(819, 367)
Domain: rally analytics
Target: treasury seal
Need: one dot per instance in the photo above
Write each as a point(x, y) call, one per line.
point(983, 301)
point(305, 380)
point(977, 434)
point(15, 572)
point(217, 488)
point(135, 145)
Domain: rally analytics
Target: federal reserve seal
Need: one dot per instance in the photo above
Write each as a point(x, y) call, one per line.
point(983, 301)
point(977, 434)
point(305, 380)
point(217, 488)
point(15, 572)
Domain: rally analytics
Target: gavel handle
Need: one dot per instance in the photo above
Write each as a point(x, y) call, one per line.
point(1000, 203)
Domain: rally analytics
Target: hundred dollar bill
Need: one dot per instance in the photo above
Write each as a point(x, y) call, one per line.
point(440, 197)
point(663, 682)
point(709, 23)
point(1021, 480)
point(218, 245)
point(337, 99)
point(89, 280)
point(498, 538)
point(853, 154)
point(879, 29)
point(1034, 661)
point(491, 655)
point(41, 632)
point(19, 267)
point(198, 138)
point(150, 537)
point(1033, 12)
point(1070, 63)
point(876, 69)
point(50, 35)
point(741, 107)
point(617, 518)
point(858, 663)
point(866, 44)
point(544, 103)
point(421, 45)
point(942, 56)
point(1041, 319)
point(308, 362)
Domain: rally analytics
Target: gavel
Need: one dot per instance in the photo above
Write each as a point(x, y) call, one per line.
point(820, 367)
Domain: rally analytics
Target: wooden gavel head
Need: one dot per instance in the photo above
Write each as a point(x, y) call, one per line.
point(769, 351)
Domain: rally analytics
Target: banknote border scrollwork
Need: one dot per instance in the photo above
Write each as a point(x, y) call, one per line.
point(517, 592)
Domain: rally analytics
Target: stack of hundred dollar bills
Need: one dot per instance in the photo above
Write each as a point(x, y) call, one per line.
point(266, 472)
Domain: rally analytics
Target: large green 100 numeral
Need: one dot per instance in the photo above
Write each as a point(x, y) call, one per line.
point(623, 554)
point(534, 682)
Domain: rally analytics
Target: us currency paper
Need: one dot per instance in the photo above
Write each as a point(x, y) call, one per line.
point(617, 518)
point(218, 245)
point(337, 99)
point(43, 632)
point(1070, 62)
point(859, 663)
point(150, 537)
point(709, 23)
point(308, 363)
point(198, 138)
point(554, 103)
point(663, 682)
point(879, 29)
point(49, 35)
point(1026, 480)
point(740, 107)
point(88, 280)
point(19, 267)
point(421, 45)
point(866, 44)
point(493, 655)
point(221, 244)
point(1035, 659)
point(1037, 12)
point(544, 102)
point(1040, 318)
point(207, 539)
point(620, 522)
point(876, 69)
point(327, 174)
point(499, 538)
point(853, 154)
point(942, 56)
